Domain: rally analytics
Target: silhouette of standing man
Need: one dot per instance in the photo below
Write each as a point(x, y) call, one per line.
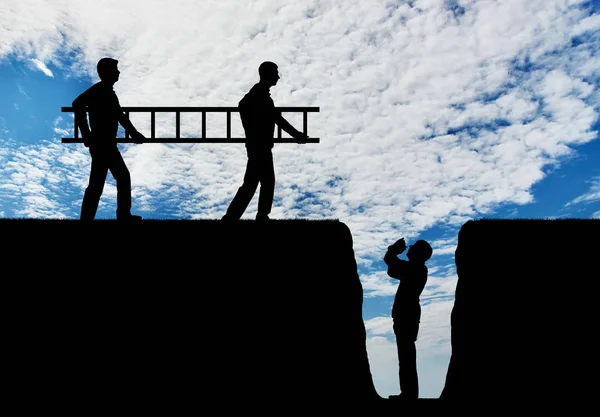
point(406, 312)
point(259, 117)
point(102, 104)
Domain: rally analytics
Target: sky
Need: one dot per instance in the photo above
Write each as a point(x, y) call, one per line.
point(432, 113)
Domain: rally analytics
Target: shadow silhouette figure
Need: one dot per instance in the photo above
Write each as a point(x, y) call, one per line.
point(406, 311)
point(259, 116)
point(105, 114)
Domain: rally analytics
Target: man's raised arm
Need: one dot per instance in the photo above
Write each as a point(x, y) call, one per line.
point(396, 267)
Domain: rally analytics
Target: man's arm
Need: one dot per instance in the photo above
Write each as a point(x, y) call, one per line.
point(285, 125)
point(397, 268)
point(80, 111)
point(129, 127)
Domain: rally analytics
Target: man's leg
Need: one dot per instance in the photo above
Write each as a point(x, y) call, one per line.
point(122, 177)
point(406, 336)
point(93, 192)
point(245, 193)
point(407, 363)
point(267, 184)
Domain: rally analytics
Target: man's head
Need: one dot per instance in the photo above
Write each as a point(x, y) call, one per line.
point(420, 251)
point(268, 73)
point(107, 70)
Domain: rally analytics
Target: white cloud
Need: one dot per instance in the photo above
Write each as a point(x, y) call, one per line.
point(444, 247)
point(3, 131)
point(589, 24)
point(42, 67)
point(23, 92)
point(379, 326)
point(378, 284)
point(593, 194)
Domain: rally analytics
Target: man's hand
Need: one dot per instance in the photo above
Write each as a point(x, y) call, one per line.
point(138, 138)
point(88, 139)
point(399, 246)
point(301, 137)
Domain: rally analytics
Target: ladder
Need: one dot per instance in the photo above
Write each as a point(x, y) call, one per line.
point(204, 111)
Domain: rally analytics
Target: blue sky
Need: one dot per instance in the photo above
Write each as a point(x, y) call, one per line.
point(433, 112)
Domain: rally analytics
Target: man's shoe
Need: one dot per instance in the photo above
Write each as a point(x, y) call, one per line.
point(128, 217)
point(262, 217)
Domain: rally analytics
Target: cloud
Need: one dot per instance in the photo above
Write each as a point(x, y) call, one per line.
point(593, 194)
point(60, 130)
point(444, 246)
point(379, 326)
point(23, 92)
point(42, 67)
point(3, 131)
point(38, 181)
point(588, 24)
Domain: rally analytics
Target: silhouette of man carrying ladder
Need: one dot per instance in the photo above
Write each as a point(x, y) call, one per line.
point(259, 116)
point(105, 111)
point(406, 311)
